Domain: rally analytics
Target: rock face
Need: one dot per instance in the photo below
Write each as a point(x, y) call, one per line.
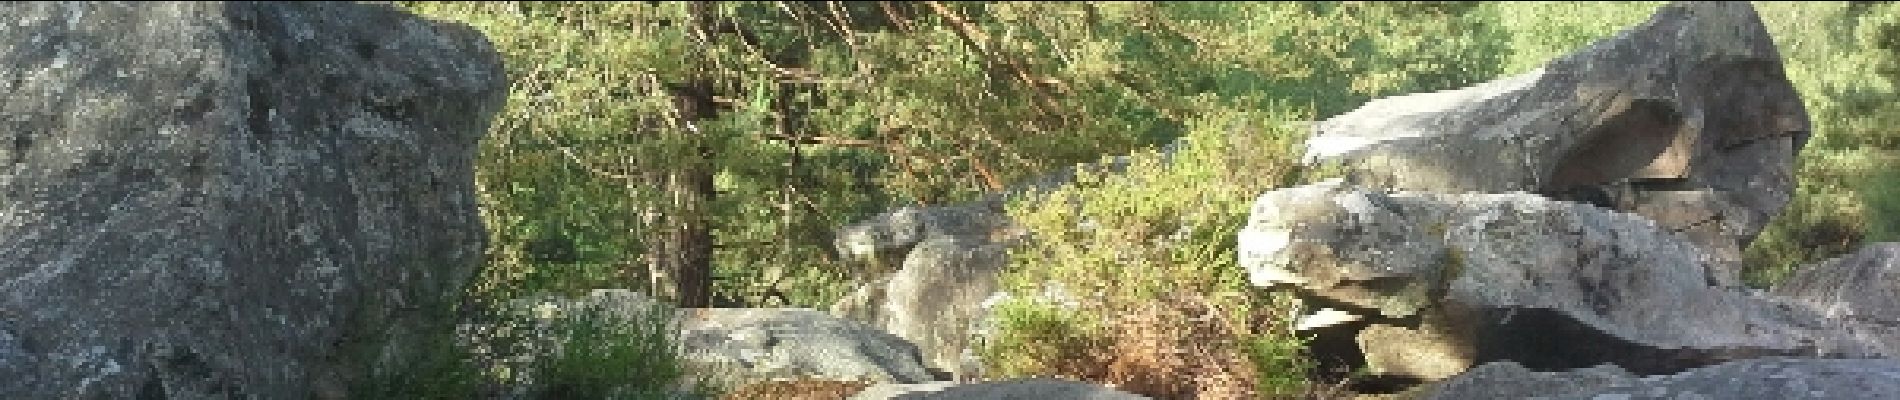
point(1686, 119)
point(231, 200)
point(1037, 389)
point(1762, 379)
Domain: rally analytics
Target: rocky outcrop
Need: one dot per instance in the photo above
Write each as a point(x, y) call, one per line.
point(1045, 389)
point(1589, 212)
point(1686, 119)
point(231, 200)
point(1467, 278)
point(1758, 379)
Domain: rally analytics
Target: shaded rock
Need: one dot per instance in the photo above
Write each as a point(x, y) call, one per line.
point(1762, 379)
point(1026, 389)
point(232, 200)
point(1694, 100)
point(1520, 277)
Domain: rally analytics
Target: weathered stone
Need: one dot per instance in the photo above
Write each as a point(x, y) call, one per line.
point(231, 200)
point(1757, 379)
point(749, 345)
point(1858, 293)
point(1693, 100)
point(1509, 380)
point(729, 347)
point(1037, 389)
point(1422, 353)
point(951, 256)
point(1519, 277)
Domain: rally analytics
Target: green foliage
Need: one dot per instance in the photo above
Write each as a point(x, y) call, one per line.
point(831, 111)
point(1281, 363)
point(1541, 31)
point(1038, 339)
point(440, 370)
point(1882, 198)
point(1830, 48)
point(601, 356)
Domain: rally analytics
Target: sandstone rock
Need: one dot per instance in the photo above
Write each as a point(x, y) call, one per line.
point(1694, 100)
point(1520, 277)
point(1026, 389)
point(231, 200)
point(1762, 379)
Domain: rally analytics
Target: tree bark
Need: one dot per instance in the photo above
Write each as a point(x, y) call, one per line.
point(680, 236)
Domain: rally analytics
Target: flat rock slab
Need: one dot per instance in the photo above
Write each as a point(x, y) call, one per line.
point(747, 345)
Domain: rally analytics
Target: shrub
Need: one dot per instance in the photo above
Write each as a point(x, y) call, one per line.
point(601, 356)
point(1148, 255)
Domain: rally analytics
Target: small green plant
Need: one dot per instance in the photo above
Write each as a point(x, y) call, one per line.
point(603, 354)
point(1280, 363)
point(1037, 339)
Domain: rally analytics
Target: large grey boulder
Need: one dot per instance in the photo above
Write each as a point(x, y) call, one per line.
point(1469, 278)
point(1757, 379)
point(1687, 119)
point(1025, 389)
point(231, 200)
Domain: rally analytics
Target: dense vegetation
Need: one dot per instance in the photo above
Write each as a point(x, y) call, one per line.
point(705, 151)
